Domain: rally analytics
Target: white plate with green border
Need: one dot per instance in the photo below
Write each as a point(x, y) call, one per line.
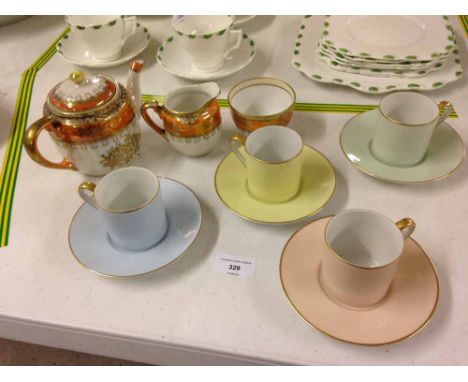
point(305, 60)
point(406, 65)
point(377, 72)
point(445, 154)
point(396, 64)
point(172, 56)
point(396, 37)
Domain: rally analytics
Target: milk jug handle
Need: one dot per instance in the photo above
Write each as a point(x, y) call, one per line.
point(144, 113)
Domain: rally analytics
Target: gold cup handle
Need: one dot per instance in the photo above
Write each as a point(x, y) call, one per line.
point(447, 108)
point(30, 144)
point(144, 113)
point(83, 190)
point(237, 141)
point(406, 226)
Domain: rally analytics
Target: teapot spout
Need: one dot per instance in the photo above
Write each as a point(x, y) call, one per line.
point(133, 84)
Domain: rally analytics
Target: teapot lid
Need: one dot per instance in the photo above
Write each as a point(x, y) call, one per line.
point(80, 95)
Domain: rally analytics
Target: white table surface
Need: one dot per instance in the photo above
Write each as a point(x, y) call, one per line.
point(186, 313)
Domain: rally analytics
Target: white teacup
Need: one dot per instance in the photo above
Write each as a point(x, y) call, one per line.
point(364, 248)
point(103, 36)
point(208, 39)
point(131, 206)
point(405, 126)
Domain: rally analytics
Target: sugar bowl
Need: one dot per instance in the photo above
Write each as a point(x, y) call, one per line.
point(260, 102)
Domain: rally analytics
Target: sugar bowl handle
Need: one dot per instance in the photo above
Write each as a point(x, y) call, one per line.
point(30, 144)
point(144, 113)
point(237, 141)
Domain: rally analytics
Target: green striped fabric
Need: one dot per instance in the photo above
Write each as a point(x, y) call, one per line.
point(15, 140)
point(301, 106)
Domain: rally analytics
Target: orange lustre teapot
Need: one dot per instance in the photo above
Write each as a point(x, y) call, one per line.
point(93, 121)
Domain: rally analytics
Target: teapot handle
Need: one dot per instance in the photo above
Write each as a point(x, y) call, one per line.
point(30, 144)
point(144, 113)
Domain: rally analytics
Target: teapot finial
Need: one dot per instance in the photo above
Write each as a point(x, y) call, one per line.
point(133, 84)
point(77, 76)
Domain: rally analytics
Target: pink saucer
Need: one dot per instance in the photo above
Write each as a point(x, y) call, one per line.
point(405, 310)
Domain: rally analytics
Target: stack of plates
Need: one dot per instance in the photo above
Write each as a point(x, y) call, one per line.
point(386, 46)
point(378, 54)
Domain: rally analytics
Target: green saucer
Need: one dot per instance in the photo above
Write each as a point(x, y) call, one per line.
point(445, 154)
point(317, 187)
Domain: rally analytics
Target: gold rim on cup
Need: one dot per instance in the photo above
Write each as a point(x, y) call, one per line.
point(90, 186)
point(400, 225)
point(243, 139)
point(439, 105)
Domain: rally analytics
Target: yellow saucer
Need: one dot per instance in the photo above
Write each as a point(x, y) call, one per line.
point(317, 187)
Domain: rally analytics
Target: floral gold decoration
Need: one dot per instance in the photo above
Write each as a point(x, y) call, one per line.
point(122, 154)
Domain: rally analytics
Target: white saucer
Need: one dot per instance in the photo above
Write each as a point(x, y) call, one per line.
point(173, 58)
point(72, 50)
point(90, 246)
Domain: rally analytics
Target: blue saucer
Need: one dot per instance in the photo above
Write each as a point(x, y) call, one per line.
point(90, 245)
